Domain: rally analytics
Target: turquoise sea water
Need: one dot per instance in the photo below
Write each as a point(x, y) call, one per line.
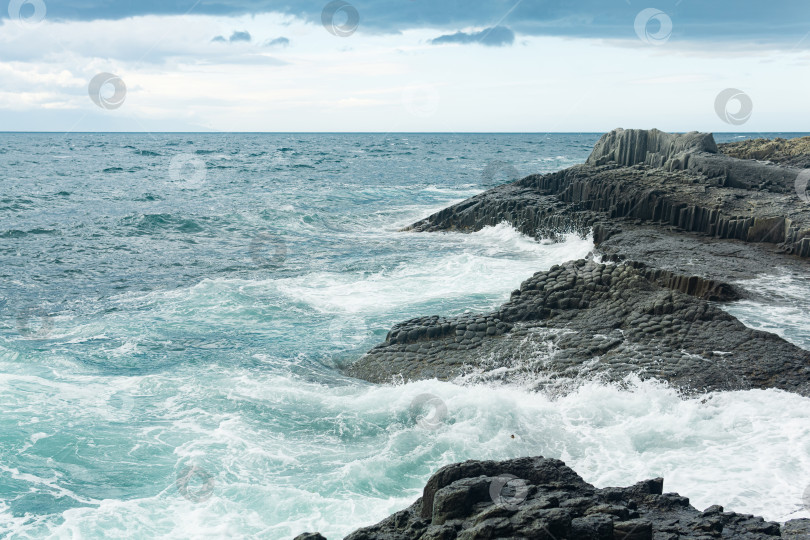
point(174, 309)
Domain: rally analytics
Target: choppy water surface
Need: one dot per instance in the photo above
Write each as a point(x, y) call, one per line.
point(177, 306)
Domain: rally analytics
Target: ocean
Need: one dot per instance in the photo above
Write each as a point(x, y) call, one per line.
point(175, 309)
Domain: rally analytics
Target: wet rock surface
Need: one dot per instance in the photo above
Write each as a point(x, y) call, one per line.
point(538, 498)
point(678, 223)
point(585, 319)
point(608, 196)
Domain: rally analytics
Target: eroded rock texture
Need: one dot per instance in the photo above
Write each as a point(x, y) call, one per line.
point(790, 152)
point(583, 319)
point(694, 152)
point(543, 499)
point(584, 196)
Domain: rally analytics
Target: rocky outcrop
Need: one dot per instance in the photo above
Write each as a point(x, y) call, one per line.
point(581, 197)
point(788, 152)
point(583, 320)
point(650, 147)
point(674, 222)
point(677, 238)
point(694, 152)
point(542, 498)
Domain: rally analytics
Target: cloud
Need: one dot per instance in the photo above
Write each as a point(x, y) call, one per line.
point(177, 79)
point(718, 20)
point(277, 42)
point(240, 36)
point(235, 37)
point(497, 36)
point(163, 40)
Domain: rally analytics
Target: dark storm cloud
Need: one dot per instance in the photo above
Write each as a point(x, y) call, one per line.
point(785, 21)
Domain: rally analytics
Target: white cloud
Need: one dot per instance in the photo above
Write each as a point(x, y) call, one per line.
point(178, 79)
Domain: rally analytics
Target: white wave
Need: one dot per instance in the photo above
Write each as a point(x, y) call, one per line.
point(467, 190)
point(451, 265)
point(711, 449)
point(782, 310)
point(288, 455)
point(494, 251)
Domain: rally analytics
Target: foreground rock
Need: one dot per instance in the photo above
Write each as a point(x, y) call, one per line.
point(537, 498)
point(679, 221)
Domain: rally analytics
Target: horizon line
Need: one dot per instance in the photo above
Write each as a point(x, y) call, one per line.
point(59, 132)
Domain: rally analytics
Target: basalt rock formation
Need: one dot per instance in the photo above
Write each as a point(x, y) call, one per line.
point(675, 223)
point(607, 320)
point(790, 152)
point(660, 179)
point(543, 499)
point(694, 152)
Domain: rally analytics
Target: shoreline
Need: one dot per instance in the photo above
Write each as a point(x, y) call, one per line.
point(652, 310)
point(673, 255)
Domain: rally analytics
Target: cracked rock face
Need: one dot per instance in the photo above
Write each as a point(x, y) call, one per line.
point(652, 147)
point(538, 498)
point(583, 319)
point(696, 152)
point(607, 196)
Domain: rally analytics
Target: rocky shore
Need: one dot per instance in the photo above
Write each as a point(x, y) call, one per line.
point(678, 222)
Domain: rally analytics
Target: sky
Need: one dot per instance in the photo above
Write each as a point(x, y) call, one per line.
point(404, 65)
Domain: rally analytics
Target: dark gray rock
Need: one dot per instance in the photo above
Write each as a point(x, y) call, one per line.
point(694, 152)
point(584, 319)
point(651, 147)
point(538, 498)
point(798, 529)
point(608, 196)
